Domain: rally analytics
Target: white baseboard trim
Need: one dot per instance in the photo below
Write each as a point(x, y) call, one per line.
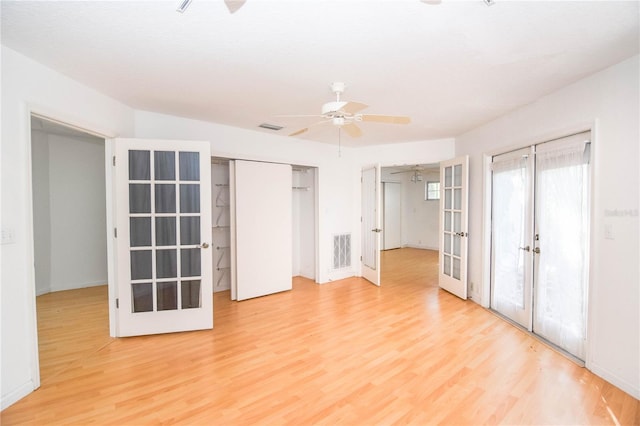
point(420, 246)
point(614, 379)
point(16, 395)
point(80, 285)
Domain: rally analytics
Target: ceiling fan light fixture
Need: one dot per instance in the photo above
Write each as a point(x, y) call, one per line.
point(338, 121)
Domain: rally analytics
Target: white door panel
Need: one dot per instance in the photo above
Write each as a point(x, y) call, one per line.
point(262, 228)
point(163, 220)
point(454, 181)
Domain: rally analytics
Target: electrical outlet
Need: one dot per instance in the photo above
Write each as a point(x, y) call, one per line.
point(471, 285)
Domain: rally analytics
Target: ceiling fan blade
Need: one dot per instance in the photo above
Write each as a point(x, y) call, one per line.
point(299, 132)
point(234, 5)
point(353, 107)
point(352, 130)
point(389, 119)
point(298, 115)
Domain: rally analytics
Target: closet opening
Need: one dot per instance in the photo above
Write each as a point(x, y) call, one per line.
point(235, 208)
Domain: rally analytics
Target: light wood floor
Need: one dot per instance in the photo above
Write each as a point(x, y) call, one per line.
point(344, 353)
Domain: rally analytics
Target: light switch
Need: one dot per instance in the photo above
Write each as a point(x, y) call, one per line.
point(608, 232)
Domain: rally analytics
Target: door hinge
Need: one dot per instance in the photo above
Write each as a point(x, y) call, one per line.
point(117, 303)
point(114, 160)
point(115, 232)
point(360, 258)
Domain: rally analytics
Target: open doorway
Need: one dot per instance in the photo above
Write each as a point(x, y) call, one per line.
point(70, 243)
point(410, 209)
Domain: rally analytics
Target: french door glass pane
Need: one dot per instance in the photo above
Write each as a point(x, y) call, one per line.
point(165, 165)
point(142, 295)
point(189, 166)
point(447, 177)
point(189, 198)
point(190, 294)
point(446, 267)
point(139, 198)
point(447, 221)
point(456, 268)
point(190, 262)
point(165, 231)
point(189, 230)
point(167, 296)
point(166, 264)
point(141, 265)
point(140, 231)
point(139, 165)
point(165, 198)
point(457, 175)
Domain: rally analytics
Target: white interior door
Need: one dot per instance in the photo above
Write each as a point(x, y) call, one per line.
point(454, 181)
point(163, 221)
point(262, 242)
point(392, 228)
point(511, 235)
point(371, 224)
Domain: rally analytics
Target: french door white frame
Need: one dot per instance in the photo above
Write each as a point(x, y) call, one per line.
point(484, 293)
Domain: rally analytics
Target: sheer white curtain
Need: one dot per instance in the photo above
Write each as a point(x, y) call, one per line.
point(562, 218)
point(510, 191)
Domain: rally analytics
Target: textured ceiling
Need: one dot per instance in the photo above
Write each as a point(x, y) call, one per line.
point(450, 67)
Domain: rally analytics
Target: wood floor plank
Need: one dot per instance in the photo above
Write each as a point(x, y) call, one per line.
point(343, 353)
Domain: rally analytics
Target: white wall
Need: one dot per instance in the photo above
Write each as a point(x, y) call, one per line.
point(69, 212)
point(27, 85)
point(610, 99)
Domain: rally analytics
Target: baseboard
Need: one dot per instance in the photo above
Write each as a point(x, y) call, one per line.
point(15, 396)
point(81, 285)
point(420, 246)
point(614, 379)
point(340, 274)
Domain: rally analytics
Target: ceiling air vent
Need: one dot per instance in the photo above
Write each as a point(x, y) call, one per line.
point(270, 126)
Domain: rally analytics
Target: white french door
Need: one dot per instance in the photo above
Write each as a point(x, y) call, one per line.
point(512, 235)
point(540, 239)
point(454, 181)
point(163, 222)
point(371, 224)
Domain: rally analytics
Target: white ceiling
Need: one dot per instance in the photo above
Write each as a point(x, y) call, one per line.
point(450, 67)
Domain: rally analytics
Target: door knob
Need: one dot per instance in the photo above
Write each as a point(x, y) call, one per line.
point(536, 250)
point(204, 245)
point(376, 230)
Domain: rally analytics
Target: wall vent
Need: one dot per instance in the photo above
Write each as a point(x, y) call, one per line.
point(341, 251)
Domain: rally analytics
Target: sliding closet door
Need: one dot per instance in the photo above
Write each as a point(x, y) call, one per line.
point(511, 223)
point(562, 242)
point(262, 242)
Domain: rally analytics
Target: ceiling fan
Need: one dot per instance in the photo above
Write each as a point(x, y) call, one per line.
point(416, 173)
point(345, 114)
